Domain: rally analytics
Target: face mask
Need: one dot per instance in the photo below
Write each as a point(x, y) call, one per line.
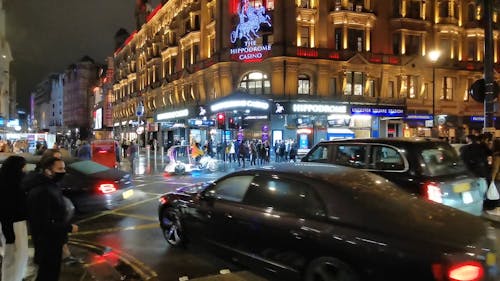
point(58, 177)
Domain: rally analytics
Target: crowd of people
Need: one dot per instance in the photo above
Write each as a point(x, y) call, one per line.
point(36, 201)
point(481, 156)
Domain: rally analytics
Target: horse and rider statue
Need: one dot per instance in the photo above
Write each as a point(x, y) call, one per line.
point(250, 20)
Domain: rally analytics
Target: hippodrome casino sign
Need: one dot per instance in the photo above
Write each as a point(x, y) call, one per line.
point(251, 27)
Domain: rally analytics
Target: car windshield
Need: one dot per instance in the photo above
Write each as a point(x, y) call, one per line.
point(88, 167)
point(440, 160)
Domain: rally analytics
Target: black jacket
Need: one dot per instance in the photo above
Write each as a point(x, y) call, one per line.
point(12, 209)
point(475, 157)
point(46, 210)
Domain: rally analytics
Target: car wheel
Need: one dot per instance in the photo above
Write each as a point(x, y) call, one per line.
point(329, 269)
point(172, 227)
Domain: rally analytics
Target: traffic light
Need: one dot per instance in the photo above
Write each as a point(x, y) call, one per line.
point(221, 121)
point(231, 123)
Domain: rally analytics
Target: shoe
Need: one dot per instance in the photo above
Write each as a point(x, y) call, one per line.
point(72, 260)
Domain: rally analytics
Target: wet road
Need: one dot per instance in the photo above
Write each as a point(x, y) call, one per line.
point(133, 229)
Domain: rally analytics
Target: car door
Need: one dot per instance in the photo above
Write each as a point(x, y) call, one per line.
point(388, 162)
point(350, 154)
point(210, 213)
point(279, 222)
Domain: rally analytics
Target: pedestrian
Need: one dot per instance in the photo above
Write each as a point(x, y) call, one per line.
point(132, 152)
point(13, 216)
point(48, 219)
point(293, 151)
point(475, 157)
point(84, 152)
point(493, 205)
point(242, 153)
point(125, 145)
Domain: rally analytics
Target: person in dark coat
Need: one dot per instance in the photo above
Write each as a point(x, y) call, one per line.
point(47, 218)
point(13, 216)
point(475, 157)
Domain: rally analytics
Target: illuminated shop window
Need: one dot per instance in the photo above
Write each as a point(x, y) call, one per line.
point(256, 83)
point(304, 85)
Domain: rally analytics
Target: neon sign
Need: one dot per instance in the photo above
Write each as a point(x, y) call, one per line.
point(239, 103)
point(247, 31)
point(319, 108)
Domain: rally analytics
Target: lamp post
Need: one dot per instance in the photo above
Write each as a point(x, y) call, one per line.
point(433, 57)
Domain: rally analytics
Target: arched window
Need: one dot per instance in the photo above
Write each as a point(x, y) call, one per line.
point(256, 83)
point(304, 85)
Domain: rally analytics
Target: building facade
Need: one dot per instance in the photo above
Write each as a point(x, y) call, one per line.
point(5, 59)
point(41, 98)
point(80, 78)
point(338, 68)
point(56, 103)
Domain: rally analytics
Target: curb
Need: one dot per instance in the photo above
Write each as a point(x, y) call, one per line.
point(143, 271)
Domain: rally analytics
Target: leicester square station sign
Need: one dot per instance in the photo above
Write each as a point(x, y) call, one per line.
point(245, 33)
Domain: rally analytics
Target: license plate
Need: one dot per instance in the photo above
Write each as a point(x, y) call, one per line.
point(467, 197)
point(128, 194)
point(461, 187)
point(491, 259)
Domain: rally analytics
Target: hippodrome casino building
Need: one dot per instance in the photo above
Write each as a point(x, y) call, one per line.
point(305, 69)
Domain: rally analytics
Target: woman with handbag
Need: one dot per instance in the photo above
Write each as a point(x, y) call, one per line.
point(492, 195)
point(13, 216)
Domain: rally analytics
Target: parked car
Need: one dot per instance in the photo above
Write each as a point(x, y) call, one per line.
point(314, 221)
point(90, 185)
point(428, 167)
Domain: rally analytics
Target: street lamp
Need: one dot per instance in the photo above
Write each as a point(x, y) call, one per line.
point(433, 57)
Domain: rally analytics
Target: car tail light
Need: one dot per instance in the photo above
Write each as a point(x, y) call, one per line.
point(106, 188)
point(163, 200)
point(432, 192)
point(466, 271)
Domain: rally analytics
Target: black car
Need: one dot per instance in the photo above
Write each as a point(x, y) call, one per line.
point(428, 167)
point(324, 222)
point(90, 185)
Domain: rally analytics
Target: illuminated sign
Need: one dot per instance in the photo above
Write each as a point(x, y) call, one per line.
point(244, 35)
point(239, 103)
point(259, 117)
point(98, 119)
point(200, 122)
point(173, 114)
point(318, 108)
point(419, 117)
point(479, 118)
point(379, 111)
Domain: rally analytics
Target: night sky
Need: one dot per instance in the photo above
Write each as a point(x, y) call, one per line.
point(46, 36)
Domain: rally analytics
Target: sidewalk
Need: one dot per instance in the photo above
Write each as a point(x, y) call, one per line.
point(99, 264)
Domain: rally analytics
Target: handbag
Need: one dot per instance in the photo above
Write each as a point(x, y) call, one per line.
point(492, 193)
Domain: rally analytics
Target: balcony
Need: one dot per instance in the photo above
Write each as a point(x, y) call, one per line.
point(410, 24)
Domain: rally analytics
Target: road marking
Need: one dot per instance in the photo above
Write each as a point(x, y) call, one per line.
point(148, 218)
point(135, 204)
point(110, 212)
point(104, 213)
point(117, 229)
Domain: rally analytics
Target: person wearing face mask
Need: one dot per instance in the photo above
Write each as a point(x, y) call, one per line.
point(13, 215)
point(47, 218)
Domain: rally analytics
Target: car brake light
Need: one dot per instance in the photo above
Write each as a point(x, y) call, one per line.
point(466, 271)
point(163, 200)
point(432, 191)
point(106, 188)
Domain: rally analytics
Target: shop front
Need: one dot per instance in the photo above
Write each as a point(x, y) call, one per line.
point(418, 125)
point(240, 116)
point(308, 122)
point(377, 121)
point(173, 126)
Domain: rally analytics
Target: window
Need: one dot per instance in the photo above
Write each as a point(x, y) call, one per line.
point(413, 44)
point(277, 194)
point(256, 83)
point(371, 88)
point(471, 12)
point(443, 9)
point(355, 40)
point(231, 189)
point(304, 85)
point(471, 49)
point(304, 36)
point(396, 43)
point(354, 83)
point(390, 89)
point(351, 155)
point(466, 93)
point(196, 53)
point(413, 9)
point(396, 12)
point(187, 57)
point(441, 160)
point(319, 154)
point(338, 39)
point(447, 93)
point(386, 159)
point(333, 86)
